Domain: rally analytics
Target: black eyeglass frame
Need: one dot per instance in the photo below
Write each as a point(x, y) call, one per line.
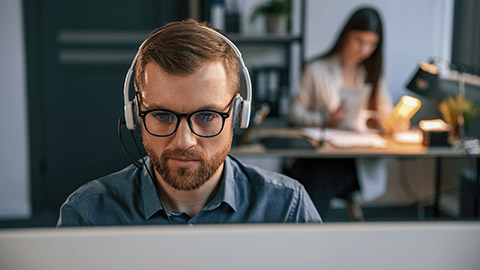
point(179, 116)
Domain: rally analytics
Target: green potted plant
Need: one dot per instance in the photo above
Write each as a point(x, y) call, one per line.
point(449, 108)
point(277, 14)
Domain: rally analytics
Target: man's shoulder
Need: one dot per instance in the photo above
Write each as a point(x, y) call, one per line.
point(261, 177)
point(114, 184)
point(262, 189)
point(93, 202)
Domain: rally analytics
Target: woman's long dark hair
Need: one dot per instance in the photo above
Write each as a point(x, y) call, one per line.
point(364, 19)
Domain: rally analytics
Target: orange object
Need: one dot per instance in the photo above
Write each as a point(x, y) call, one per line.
point(399, 118)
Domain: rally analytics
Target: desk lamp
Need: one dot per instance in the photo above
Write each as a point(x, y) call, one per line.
point(425, 80)
point(425, 83)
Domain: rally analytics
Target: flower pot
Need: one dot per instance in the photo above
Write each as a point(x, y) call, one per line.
point(276, 24)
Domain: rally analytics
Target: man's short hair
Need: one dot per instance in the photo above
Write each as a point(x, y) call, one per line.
point(181, 48)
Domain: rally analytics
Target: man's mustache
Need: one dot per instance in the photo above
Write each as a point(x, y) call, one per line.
point(183, 154)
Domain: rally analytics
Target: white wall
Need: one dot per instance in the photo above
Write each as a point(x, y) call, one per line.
point(14, 170)
point(414, 30)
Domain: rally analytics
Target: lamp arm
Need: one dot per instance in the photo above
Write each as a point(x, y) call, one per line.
point(441, 60)
point(460, 100)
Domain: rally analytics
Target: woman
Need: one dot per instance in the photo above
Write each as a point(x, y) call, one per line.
point(337, 90)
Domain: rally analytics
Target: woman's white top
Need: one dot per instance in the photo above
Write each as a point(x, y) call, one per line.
point(322, 92)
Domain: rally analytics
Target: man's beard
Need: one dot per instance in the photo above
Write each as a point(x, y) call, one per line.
point(187, 178)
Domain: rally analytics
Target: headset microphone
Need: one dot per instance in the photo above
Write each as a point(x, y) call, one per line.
point(121, 122)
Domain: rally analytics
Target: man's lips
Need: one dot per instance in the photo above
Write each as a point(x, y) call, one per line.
point(183, 161)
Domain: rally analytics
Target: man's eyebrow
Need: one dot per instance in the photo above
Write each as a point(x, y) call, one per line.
point(213, 107)
point(154, 107)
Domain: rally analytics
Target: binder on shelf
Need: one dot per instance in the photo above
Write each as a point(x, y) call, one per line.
point(270, 86)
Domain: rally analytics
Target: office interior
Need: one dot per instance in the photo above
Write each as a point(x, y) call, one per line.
point(63, 66)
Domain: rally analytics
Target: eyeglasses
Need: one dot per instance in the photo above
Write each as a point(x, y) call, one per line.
point(203, 123)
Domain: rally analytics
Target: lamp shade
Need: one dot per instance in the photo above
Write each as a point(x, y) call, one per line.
point(425, 80)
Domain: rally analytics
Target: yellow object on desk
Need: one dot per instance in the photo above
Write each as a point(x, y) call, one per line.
point(435, 132)
point(399, 118)
point(434, 125)
point(409, 136)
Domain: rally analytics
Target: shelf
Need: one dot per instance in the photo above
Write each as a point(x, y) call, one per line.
point(81, 37)
point(264, 39)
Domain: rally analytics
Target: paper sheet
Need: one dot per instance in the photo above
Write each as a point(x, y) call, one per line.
point(354, 114)
point(346, 139)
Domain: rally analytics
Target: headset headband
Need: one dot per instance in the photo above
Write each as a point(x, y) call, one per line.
point(131, 112)
point(246, 75)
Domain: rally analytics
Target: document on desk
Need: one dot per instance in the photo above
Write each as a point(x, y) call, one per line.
point(346, 138)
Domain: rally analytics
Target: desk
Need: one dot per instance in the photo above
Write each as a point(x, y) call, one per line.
point(393, 150)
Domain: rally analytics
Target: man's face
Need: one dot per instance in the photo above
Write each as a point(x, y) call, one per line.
point(184, 160)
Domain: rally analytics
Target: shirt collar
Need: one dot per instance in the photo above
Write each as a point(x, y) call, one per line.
point(226, 192)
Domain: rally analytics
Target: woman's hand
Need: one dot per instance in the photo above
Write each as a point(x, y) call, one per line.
point(372, 123)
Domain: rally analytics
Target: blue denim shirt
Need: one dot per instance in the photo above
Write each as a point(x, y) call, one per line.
point(247, 194)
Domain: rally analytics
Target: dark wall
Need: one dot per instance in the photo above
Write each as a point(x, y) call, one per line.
point(78, 53)
point(466, 35)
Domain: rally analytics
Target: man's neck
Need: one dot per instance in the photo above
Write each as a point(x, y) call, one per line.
point(189, 201)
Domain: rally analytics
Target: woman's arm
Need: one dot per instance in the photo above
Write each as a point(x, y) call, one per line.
point(302, 111)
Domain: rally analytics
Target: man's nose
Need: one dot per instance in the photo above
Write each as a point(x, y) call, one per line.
point(184, 137)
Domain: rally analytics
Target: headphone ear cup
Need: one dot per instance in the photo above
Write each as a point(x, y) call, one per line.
point(245, 117)
point(136, 112)
point(237, 110)
point(129, 116)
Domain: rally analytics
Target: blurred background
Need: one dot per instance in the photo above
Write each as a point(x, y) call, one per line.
point(63, 65)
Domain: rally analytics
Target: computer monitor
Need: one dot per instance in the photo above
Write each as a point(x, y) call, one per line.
point(331, 246)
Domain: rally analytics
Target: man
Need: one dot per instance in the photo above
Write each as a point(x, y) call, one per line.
point(186, 82)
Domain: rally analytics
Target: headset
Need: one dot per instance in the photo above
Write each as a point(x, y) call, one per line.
point(242, 108)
